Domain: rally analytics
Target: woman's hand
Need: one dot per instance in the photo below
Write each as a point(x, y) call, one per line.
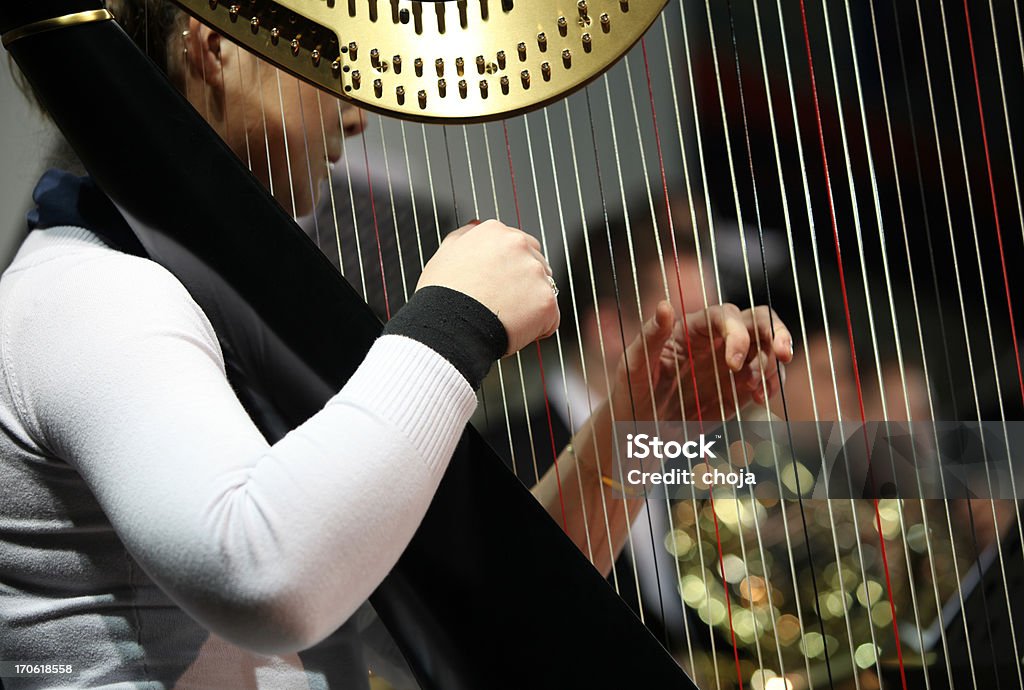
point(503, 269)
point(680, 371)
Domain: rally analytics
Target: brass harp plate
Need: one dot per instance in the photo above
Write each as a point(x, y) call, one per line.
point(445, 61)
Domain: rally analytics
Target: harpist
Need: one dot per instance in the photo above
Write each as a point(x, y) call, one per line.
point(149, 536)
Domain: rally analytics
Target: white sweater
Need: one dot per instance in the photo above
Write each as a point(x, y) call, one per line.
point(122, 446)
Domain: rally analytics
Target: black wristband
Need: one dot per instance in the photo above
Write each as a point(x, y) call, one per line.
point(456, 326)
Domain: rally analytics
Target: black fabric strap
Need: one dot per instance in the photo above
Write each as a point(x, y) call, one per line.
point(456, 326)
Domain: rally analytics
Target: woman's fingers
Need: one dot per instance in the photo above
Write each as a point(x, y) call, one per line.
point(770, 329)
point(651, 340)
point(727, 322)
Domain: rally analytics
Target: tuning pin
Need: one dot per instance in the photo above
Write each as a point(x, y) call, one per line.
point(563, 26)
point(483, 88)
point(213, 4)
point(254, 24)
point(504, 84)
point(396, 62)
point(582, 7)
point(375, 57)
point(522, 51)
point(353, 49)
point(567, 58)
point(439, 66)
point(624, 5)
point(442, 87)
point(423, 99)
point(542, 41)
point(418, 66)
point(378, 87)
point(463, 88)
point(481, 64)
point(295, 46)
point(525, 74)
point(545, 70)
point(606, 22)
point(275, 35)
point(501, 59)
point(587, 42)
point(336, 68)
point(460, 66)
point(400, 94)
point(315, 55)
point(233, 12)
point(357, 79)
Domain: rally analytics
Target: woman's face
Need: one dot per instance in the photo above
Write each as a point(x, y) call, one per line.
point(286, 130)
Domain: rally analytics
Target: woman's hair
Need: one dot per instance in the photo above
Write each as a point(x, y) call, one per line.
point(151, 24)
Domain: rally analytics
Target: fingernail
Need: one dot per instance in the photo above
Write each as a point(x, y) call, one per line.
point(792, 348)
point(737, 359)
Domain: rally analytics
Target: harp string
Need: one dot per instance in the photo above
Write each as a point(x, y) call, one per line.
point(245, 115)
point(575, 306)
point(956, 273)
point(682, 302)
point(995, 211)
point(330, 181)
point(394, 212)
point(558, 336)
point(930, 551)
point(688, 186)
point(867, 291)
point(352, 208)
point(630, 542)
point(764, 264)
point(988, 323)
point(849, 328)
point(1006, 114)
point(892, 308)
point(376, 227)
point(266, 132)
point(988, 327)
point(287, 148)
point(709, 219)
point(992, 192)
point(639, 305)
point(802, 324)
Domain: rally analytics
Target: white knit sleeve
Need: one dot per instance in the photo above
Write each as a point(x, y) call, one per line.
point(118, 372)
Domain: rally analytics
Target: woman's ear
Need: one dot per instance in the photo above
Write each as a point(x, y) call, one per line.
point(204, 57)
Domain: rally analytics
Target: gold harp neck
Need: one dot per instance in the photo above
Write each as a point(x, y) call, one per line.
point(447, 61)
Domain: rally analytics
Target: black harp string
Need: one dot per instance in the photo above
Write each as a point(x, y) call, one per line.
point(711, 221)
point(863, 265)
point(1020, 215)
point(558, 336)
point(622, 336)
point(946, 202)
point(575, 305)
point(988, 326)
point(639, 304)
point(782, 387)
point(893, 313)
point(668, 292)
point(930, 550)
point(767, 281)
point(995, 371)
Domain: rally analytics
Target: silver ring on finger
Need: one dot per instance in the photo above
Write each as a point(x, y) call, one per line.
point(554, 286)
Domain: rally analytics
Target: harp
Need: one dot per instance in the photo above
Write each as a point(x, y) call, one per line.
point(851, 165)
